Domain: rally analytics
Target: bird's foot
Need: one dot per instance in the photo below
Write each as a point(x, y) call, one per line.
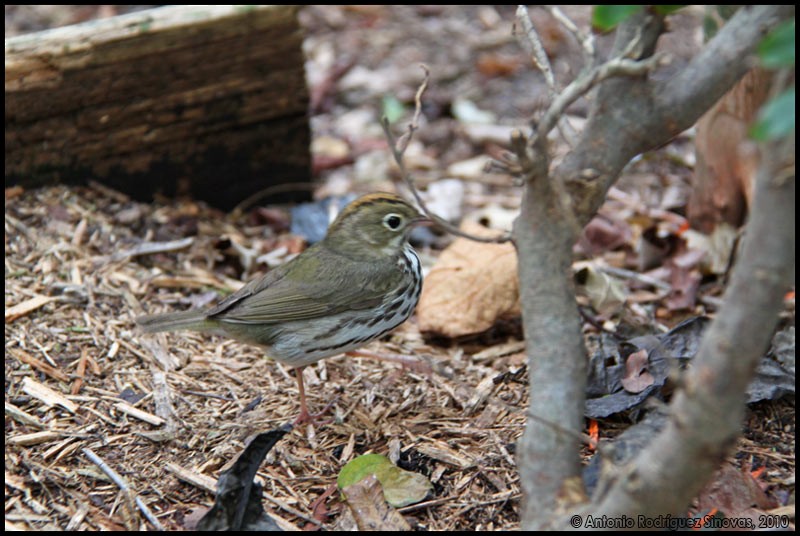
point(306, 417)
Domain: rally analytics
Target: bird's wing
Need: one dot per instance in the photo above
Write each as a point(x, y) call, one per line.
point(309, 287)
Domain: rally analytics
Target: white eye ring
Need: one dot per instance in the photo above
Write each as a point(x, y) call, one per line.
point(393, 221)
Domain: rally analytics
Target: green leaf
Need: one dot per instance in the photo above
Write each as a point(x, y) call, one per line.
point(393, 109)
point(400, 487)
point(359, 468)
point(777, 49)
point(605, 18)
point(776, 118)
point(667, 10)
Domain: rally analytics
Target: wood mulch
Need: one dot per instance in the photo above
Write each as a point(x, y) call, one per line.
point(80, 376)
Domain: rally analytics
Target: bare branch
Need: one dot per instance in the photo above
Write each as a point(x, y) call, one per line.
point(621, 65)
point(398, 147)
point(636, 276)
point(533, 46)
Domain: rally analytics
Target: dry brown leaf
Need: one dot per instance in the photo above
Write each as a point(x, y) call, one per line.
point(734, 492)
point(472, 286)
point(718, 247)
point(369, 508)
point(637, 377)
point(605, 233)
point(606, 293)
point(685, 284)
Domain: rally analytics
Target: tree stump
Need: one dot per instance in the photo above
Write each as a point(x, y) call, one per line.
point(209, 101)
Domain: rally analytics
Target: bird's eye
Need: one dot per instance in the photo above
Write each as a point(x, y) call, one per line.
point(393, 221)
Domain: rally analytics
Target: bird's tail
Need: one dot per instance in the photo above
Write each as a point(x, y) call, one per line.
point(192, 320)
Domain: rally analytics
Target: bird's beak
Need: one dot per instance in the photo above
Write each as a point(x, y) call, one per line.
point(423, 221)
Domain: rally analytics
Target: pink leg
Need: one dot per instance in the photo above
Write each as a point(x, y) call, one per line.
point(305, 416)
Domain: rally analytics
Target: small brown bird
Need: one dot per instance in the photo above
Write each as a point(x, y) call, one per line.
point(360, 282)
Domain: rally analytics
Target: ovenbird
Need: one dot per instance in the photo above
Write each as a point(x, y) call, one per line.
point(360, 282)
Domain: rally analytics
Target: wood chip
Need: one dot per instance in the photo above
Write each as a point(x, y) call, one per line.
point(489, 415)
point(47, 395)
point(38, 364)
point(28, 306)
point(80, 372)
point(480, 394)
point(500, 350)
point(199, 480)
point(34, 438)
point(165, 359)
point(77, 518)
point(136, 413)
point(188, 281)
point(22, 417)
point(445, 454)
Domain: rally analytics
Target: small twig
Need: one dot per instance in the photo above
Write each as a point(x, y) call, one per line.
point(123, 485)
point(208, 395)
point(633, 50)
point(621, 65)
point(150, 248)
point(519, 147)
point(271, 190)
point(586, 40)
point(46, 368)
point(641, 278)
point(587, 317)
point(414, 125)
point(398, 147)
point(533, 46)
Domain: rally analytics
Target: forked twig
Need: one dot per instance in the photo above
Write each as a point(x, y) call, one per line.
point(619, 66)
point(398, 147)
